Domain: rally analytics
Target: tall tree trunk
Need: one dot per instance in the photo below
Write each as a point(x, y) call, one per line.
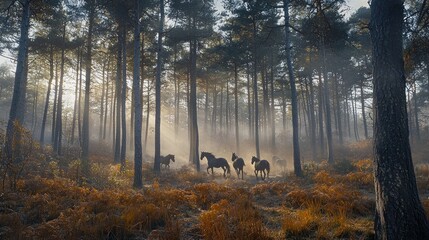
point(117, 156)
point(214, 113)
point(312, 119)
point(194, 143)
point(159, 64)
point(362, 101)
point(249, 101)
point(272, 110)
point(106, 101)
point(146, 132)
point(54, 109)
point(76, 91)
point(138, 182)
point(237, 131)
point(255, 92)
point(327, 110)
point(284, 108)
point(45, 111)
point(79, 108)
point(416, 112)
point(338, 106)
point(88, 61)
point(399, 213)
point(59, 122)
point(103, 86)
point(294, 98)
point(320, 115)
point(124, 96)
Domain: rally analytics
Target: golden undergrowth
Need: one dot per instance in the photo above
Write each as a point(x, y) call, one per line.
point(329, 202)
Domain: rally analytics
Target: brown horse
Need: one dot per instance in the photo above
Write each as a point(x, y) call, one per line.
point(238, 164)
point(261, 166)
point(214, 162)
point(166, 160)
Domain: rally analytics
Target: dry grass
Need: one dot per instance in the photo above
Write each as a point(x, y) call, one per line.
point(59, 203)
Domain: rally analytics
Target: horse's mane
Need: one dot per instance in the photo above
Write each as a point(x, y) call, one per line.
point(209, 154)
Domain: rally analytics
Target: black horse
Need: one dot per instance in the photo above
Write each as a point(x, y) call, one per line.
point(238, 164)
point(261, 166)
point(214, 162)
point(166, 160)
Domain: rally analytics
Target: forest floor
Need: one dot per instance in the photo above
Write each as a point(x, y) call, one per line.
point(329, 202)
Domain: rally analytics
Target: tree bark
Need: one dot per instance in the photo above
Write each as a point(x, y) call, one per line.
point(88, 61)
point(237, 131)
point(138, 182)
point(399, 213)
point(159, 64)
point(59, 121)
point(45, 111)
point(124, 97)
point(294, 98)
point(16, 115)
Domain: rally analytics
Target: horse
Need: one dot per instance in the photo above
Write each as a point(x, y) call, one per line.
point(261, 166)
point(166, 160)
point(214, 162)
point(279, 162)
point(238, 164)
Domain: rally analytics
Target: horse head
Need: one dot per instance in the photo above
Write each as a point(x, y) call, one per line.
point(203, 154)
point(172, 157)
point(234, 157)
point(255, 160)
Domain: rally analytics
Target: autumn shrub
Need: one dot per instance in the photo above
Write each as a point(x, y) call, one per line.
point(313, 221)
point(209, 193)
point(277, 188)
point(237, 219)
point(24, 158)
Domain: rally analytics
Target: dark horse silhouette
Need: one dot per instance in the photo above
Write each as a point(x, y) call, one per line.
point(261, 166)
point(238, 164)
point(166, 160)
point(214, 162)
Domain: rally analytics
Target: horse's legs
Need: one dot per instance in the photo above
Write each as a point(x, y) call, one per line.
point(224, 172)
point(212, 171)
point(256, 174)
point(242, 177)
point(263, 171)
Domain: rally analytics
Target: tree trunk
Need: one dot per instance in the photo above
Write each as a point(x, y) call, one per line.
point(338, 106)
point(416, 112)
point(399, 213)
point(237, 136)
point(103, 86)
point(59, 121)
point(16, 115)
point(76, 92)
point(294, 98)
point(327, 112)
point(124, 97)
point(159, 64)
point(312, 119)
point(45, 111)
point(255, 92)
point(138, 182)
point(117, 157)
point(249, 101)
point(194, 143)
point(106, 101)
point(54, 109)
point(320, 113)
point(88, 61)
point(362, 101)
